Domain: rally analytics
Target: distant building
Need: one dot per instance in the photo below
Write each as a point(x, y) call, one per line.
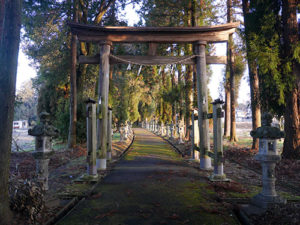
point(20, 124)
point(243, 116)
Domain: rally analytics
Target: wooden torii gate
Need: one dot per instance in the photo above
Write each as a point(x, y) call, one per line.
point(199, 36)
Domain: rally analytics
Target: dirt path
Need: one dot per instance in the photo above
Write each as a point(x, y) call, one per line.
point(152, 185)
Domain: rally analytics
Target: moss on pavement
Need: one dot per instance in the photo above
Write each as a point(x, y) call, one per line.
point(152, 185)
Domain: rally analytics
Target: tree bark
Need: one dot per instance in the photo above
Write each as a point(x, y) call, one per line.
point(254, 80)
point(9, 49)
point(73, 84)
point(188, 99)
point(255, 100)
point(227, 109)
point(173, 105)
point(233, 137)
point(190, 71)
point(2, 13)
point(291, 147)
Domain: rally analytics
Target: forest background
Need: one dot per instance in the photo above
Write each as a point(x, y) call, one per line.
point(267, 40)
point(158, 91)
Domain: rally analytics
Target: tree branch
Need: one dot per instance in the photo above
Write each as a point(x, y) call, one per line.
point(102, 11)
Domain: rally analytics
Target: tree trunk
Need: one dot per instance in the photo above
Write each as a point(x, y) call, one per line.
point(254, 80)
point(255, 102)
point(233, 137)
point(2, 13)
point(73, 84)
point(189, 99)
point(227, 109)
point(173, 105)
point(190, 71)
point(291, 147)
point(9, 49)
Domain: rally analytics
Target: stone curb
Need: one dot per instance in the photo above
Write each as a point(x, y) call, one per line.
point(77, 200)
point(241, 216)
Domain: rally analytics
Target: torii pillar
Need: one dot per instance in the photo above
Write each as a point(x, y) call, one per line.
point(103, 89)
point(202, 100)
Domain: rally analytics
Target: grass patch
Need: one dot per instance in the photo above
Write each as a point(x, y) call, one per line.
point(116, 137)
point(159, 150)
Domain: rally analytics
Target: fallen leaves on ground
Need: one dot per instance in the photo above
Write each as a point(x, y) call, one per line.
point(174, 216)
point(110, 213)
point(95, 196)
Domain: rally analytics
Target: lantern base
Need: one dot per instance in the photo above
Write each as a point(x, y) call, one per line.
point(264, 201)
point(219, 178)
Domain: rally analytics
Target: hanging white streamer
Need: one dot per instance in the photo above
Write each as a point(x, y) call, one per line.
point(139, 70)
point(129, 67)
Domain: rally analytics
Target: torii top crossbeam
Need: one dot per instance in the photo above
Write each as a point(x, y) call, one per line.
point(94, 33)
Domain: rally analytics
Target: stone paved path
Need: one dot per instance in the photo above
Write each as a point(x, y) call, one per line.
point(151, 185)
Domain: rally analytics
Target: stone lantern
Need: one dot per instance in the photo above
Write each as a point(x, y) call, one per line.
point(43, 132)
point(268, 156)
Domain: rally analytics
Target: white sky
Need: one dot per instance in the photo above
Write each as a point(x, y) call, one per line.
point(26, 72)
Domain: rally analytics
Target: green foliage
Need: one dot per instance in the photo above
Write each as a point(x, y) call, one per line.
point(26, 103)
point(46, 41)
point(132, 97)
point(264, 36)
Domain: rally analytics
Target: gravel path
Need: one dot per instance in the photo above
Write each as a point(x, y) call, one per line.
point(151, 185)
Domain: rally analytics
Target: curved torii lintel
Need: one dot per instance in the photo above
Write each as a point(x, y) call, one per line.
point(210, 34)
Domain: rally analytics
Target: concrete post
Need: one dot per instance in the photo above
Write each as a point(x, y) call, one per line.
point(109, 133)
point(202, 100)
point(91, 137)
point(171, 130)
point(218, 174)
point(181, 132)
point(192, 135)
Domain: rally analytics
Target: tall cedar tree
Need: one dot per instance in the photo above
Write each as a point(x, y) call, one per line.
point(272, 42)
point(233, 136)
point(178, 13)
point(253, 77)
point(10, 24)
point(73, 85)
point(291, 148)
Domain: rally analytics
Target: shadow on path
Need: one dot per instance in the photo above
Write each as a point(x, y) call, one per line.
point(151, 185)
